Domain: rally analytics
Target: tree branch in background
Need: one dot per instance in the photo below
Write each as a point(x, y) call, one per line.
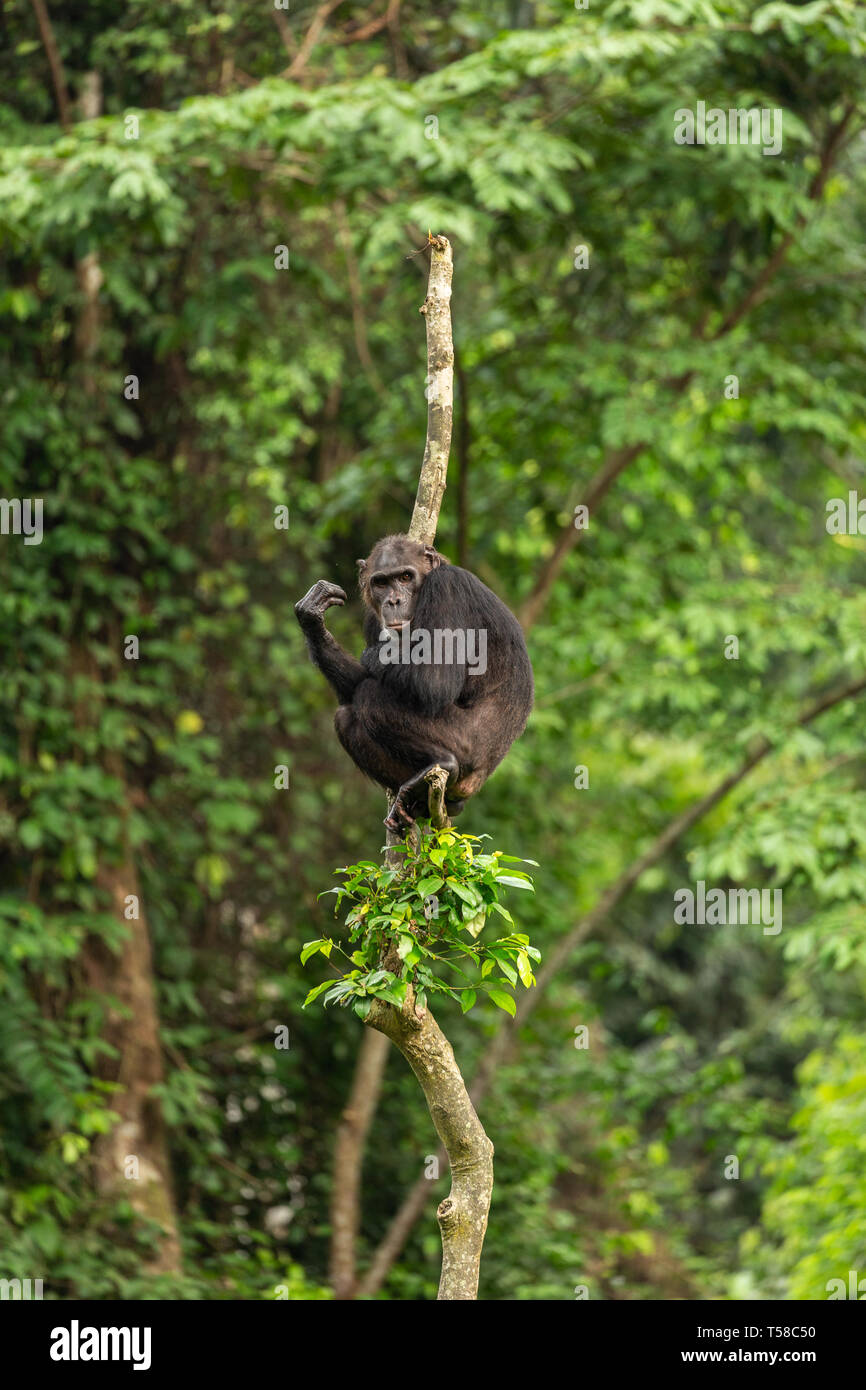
point(373, 26)
point(285, 33)
point(614, 464)
point(359, 323)
point(310, 39)
point(349, 1159)
point(497, 1051)
point(832, 146)
point(55, 63)
point(617, 460)
point(673, 832)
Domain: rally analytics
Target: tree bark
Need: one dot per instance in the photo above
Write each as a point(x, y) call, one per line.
point(462, 1216)
point(133, 1030)
point(55, 62)
point(348, 1161)
point(132, 1159)
point(440, 393)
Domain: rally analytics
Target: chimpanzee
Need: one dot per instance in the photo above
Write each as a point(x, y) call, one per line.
point(445, 677)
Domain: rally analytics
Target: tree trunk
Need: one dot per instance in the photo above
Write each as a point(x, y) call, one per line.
point(462, 1215)
point(132, 1159)
point(349, 1158)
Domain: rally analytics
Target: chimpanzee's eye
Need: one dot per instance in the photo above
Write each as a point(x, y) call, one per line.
point(406, 577)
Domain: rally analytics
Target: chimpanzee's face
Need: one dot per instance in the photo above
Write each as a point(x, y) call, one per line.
point(391, 578)
point(394, 586)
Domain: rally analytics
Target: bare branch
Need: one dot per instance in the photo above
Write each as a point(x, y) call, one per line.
point(373, 26)
point(285, 33)
point(310, 39)
point(359, 323)
point(440, 393)
point(437, 779)
point(55, 63)
point(816, 188)
point(570, 536)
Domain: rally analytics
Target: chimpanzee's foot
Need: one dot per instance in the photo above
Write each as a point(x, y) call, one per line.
point(398, 818)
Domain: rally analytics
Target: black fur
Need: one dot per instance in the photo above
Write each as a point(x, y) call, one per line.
point(396, 721)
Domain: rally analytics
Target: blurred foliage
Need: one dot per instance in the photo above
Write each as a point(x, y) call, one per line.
point(524, 131)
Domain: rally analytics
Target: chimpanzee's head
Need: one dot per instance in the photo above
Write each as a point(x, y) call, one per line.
point(392, 575)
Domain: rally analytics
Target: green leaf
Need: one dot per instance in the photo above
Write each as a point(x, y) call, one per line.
point(503, 1001)
point(475, 922)
point(311, 947)
point(505, 966)
point(425, 886)
point(340, 990)
point(524, 969)
point(316, 991)
point(466, 892)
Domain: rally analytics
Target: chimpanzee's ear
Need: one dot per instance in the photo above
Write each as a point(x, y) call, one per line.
point(362, 565)
point(433, 556)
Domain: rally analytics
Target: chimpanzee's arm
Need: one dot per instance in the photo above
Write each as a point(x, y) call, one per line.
point(342, 671)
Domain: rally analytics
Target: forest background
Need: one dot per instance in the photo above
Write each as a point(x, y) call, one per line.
point(672, 335)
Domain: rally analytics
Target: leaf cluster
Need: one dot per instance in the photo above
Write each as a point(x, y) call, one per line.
point(430, 911)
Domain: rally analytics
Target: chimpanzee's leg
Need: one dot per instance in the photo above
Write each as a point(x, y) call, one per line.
point(399, 816)
point(367, 751)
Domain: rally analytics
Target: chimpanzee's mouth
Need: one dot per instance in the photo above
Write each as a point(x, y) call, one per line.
point(395, 627)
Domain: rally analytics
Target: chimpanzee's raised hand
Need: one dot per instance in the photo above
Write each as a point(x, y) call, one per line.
point(342, 670)
point(312, 607)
